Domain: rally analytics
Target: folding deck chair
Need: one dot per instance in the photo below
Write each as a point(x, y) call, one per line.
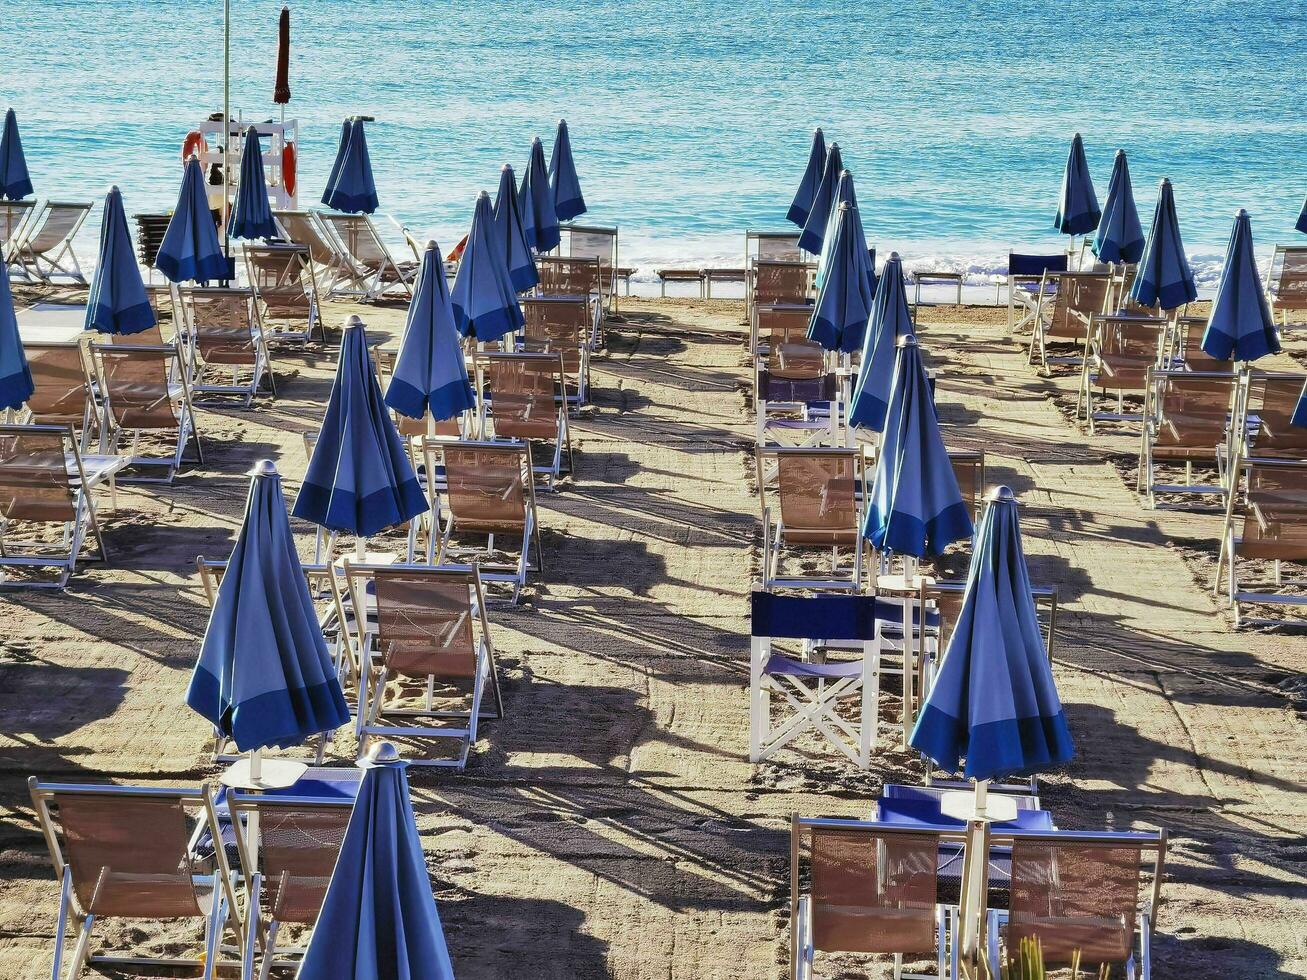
point(575, 277)
point(818, 495)
point(429, 627)
point(1063, 312)
point(774, 323)
point(1286, 282)
point(1117, 356)
point(797, 398)
point(1186, 422)
point(490, 494)
point(1265, 521)
point(285, 285)
point(872, 888)
point(1183, 348)
point(43, 248)
point(13, 215)
point(1262, 426)
point(1029, 279)
point(45, 481)
point(599, 243)
point(227, 333)
point(61, 392)
point(333, 267)
point(126, 853)
point(377, 270)
point(562, 325)
point(524, 398)
point(1078, 895)
point(145, 390)
point(298, 845)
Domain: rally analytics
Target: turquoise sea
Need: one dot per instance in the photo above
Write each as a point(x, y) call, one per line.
point(691, 120)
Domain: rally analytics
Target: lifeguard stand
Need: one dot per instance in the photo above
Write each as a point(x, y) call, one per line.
point(274, 136)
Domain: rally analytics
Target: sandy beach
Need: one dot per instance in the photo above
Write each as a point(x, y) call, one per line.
point(610, 826)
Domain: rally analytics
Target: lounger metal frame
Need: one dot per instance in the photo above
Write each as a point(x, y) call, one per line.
point(36, 254)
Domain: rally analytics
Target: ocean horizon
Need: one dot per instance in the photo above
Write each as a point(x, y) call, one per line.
point(691, 122)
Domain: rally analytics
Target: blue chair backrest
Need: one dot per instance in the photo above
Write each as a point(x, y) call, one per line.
point(1035, 265)
point(825, 617)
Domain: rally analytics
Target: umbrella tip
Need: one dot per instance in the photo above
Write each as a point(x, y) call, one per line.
point(1001, 494)
point(908, 340)
point(562, 121)
point(354, 320)
point(383, 754)
point(431, 243)
point(113, 189)
point(485, 194)
point(535, 140)
point(264, 467)
point(894, 256)
point(1241, 213)
point(1120, 152)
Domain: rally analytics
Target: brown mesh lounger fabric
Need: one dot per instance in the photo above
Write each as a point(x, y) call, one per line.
point(524, 399)
point(562, 325)
point(1286, 282)
point(772, 283)
point(1186, 422)
point(1118, 354)
point(1266, 522)
point(378, 270)
point(126, 853)
point(429, 626)
point(231, 352)
point(61, 387)
point(1062, 316)
point(285, 285)
point(818, 493)
point(42, 250)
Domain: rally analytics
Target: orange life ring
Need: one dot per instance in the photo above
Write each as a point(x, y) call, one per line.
point(288, 168)
point(194, 143)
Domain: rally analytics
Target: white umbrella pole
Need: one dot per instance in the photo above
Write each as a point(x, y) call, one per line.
point(974, 882)
point(252, 830)
point(909, 642)
point(226, 122)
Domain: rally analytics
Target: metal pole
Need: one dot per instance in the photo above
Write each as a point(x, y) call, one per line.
point(226, 124)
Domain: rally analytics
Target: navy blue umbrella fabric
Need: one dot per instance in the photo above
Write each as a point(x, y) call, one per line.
point(15, 376)
point(1120, 237)
point(1164, 278)
point(823, 203)
point(569, 202)
point(1240, 327)
point(190, 251)
point(843, 305)
point(251, 217)
point(1077, 208)
point(891, 319)
point(352, 188)
point(511, 235)
point(15, 181)
point(807, 192)
point(118, 302)
point(484, 300)
point(536, 202)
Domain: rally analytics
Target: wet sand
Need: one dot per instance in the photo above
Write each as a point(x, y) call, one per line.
point(610, 826)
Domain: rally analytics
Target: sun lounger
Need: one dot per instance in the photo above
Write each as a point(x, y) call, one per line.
point(1118, 354)
point(45, 482)
point(562, 325)
point(298, 845)
point(969, 468)
point(1263, 427)
point(524, 398)
point(871, 888)
point(150, 229)
point(573, 277)
point(1184, 346)
point(491, 495)
point(123, 852)
point(43, 248)
point(335, 268)
point(61, 392)
point(786, 322)
point(228, 338)
point(146, 393)
point(794, 408)
point(376, 269)
point(1078, 895)
point(1186, 422)
point(1286, 282)
point(818, 495)
point(784, 283)
point(599, 243)
point(1063, 312)
point(1028, 279)
point(429, 627)
point(1265, 522)
point(285, 284)
point(13, 215)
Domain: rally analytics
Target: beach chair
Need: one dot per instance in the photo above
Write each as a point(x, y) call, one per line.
point(61, 388)
point(1286, 282)
point(1118, 354)
point(125, 852)
point(1063, 312)
point(872, 888)
point(572, 277)
point(285, 284)
point(231, 351)
point(598, 243)
point(1183, 347)
point(1186, 420)
point(969, 468)
point(332, 265)
point(1029, 278)
point(787, 322)
point(1265, 522)
point(1263, 427)
point(43, 248)
point(298, 845)
point(818, 494)
point(150, 229)
point(429, 627)
point(146, 393)
point(13, 215)
point(1079, 895)
point(46, 484)
point(562, 325)
point(490, 494)
point(524, 398)
point(774, 282)
point(376, 269)
point(794, 405)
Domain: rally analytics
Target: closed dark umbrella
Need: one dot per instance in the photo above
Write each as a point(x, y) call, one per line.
point(15, 183)
point(281, 92)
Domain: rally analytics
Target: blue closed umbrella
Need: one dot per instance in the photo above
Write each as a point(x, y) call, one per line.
point(1240, 327)
point(1077, 209)
point(1164, 278)
point(845, 193)
point(1302, 218)
point(15, 376)
point(351, 188)
point(252, 215)
point(484, 300)
point(359, 478)
point(264, 676)
point(890, 320)
point(379, 919)
point(823, 203)
point(994, 702)
point(430, 376)
point(569, 202)
point(1119, 238)
point(511, 236)
point(15, 181)
point(803, 197)
point(839, 317)
point(535, 199)
point(190, 251)
point(915, 507)
point(118, 303)
point(339, 160)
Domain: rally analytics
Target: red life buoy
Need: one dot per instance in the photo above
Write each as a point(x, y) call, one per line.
point(288, 168)
point(194, 143)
